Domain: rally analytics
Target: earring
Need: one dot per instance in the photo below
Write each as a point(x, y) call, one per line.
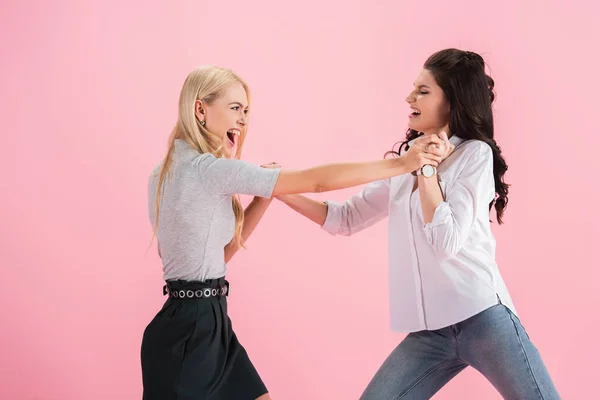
point(203, 123)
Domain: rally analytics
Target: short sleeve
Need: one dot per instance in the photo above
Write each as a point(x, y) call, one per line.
point(228, 177)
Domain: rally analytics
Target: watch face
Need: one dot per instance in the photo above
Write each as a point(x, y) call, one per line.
point(428, 171)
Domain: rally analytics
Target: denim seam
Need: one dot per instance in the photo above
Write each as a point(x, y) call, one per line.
point(419, 379)
point(457, 348)
point(537, 386)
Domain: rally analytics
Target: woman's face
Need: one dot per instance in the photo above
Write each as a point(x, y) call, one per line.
point(430, 110)
point(226, 117)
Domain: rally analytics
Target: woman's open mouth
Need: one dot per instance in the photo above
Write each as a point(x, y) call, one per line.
point(414, 113)
point(233, 136)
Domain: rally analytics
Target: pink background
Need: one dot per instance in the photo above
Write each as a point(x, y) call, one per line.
point(88, 95)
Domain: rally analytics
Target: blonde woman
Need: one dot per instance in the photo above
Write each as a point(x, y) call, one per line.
point(189, 350)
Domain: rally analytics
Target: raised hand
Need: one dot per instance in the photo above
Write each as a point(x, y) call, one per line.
point(426, 150)
point(447, 147)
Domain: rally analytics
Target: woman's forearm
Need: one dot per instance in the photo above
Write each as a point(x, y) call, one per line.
point(252, 216)
point(330, 177)
point(312, 209)
point(431, 196)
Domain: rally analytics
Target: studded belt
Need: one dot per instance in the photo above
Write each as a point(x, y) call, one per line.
point(196, 293)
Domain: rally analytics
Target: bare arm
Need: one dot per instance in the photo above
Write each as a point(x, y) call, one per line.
point(337, 176)
point(312, 209)
point(252, 216)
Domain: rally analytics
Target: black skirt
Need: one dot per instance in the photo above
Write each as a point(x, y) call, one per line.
point(190, 352)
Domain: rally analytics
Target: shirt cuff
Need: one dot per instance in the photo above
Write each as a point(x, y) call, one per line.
point(333, 219)
point(441, 216)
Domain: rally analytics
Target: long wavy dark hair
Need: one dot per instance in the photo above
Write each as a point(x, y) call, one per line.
point(470, 92)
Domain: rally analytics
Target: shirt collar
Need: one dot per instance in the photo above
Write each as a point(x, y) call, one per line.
point(454, 140)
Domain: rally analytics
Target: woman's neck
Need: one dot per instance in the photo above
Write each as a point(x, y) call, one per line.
point(438, 131)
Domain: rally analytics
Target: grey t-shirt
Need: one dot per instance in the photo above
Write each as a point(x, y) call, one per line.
point(196, 213)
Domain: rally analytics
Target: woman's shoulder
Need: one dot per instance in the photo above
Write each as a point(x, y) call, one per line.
point(473, 148)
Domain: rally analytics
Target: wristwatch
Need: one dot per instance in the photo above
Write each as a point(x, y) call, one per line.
point(426, 170)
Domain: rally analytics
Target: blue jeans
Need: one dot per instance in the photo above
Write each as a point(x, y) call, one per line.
point(493, 342)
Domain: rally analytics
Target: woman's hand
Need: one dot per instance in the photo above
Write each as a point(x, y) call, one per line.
point(447, 148)
point(426, 150)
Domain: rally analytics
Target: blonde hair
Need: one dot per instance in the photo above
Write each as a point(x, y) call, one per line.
point(206, 83)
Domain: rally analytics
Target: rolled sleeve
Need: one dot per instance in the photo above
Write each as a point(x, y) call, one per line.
point(358, 212)
point(441, 216)
point(333, 220)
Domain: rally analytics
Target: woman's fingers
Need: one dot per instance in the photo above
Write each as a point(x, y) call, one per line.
point(434, 158)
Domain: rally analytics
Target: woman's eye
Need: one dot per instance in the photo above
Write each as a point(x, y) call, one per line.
point(235, 108)
point(423, 92)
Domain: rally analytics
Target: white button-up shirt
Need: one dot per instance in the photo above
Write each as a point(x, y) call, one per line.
point(443, 272)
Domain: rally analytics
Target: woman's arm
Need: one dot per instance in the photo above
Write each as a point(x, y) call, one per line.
point(430, 192)
point(227, 177)
point(360, 211)
point(329, 177)
point(312, 209)
point(448, 220)
point(252, 216)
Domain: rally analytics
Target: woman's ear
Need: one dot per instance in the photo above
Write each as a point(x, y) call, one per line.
point(200, 111)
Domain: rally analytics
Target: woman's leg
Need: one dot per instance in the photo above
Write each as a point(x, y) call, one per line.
point(495, 343)
point(420, 366)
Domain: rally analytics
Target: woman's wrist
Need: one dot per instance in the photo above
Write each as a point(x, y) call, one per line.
point(401, 165)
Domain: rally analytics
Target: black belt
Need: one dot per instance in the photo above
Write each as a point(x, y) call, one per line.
point(195, 291)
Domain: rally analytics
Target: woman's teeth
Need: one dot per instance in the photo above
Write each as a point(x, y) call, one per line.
point(231, 134)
